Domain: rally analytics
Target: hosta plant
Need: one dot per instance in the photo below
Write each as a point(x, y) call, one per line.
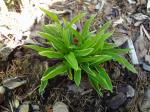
point(79, 51)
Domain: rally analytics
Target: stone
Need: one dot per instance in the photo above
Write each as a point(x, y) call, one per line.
point(145, 105)
point(24, 108)
point(147, 59)
point(2, 92)
point(128, 90)
point(14, 82)
point(117, 101)
point(60, 107)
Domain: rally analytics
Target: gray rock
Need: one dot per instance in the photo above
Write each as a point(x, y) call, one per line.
point(128, 90)
point(24, 108)
point(147, 59)
point(145, 105)
point(117, 101)
point(131, 1)
point(14, 82)
point(35, 107)
point(60, 107)
point(146, 66)
point(2, 92)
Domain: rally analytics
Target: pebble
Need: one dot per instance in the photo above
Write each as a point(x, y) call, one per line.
point(2, 92)
point(147, 59)
point(24, 108)
point(128, 90)
point(14, 82)
point(145, 106)
point(117, 101)
point(132, 1)
point(60, 107)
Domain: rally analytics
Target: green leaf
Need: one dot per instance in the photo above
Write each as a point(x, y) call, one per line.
point(87, 24)
point(51, 54)
point(52, 29)
point(58, 69)
point(66, 37)
point(102, 73)
point(50, 14)
point(83, 52)
point(56, 42)
point(76, 18)
point(123, 61)
point(71, 59)
point(116, 50)
point(77, 34)
point(109, 45)
point(90, 42)
point(70, 76)
point(77, 76)
point(100, 43)
point(96, 77)
point(95, 59)
point(105, 27)
point(86, 68)
point(95, 85)
point(38, 48)
point(44, 83)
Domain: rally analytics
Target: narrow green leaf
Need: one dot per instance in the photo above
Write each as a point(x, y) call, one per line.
point(38, 48)
point(70, 76)
point(51, 54)
point(50, 14)
point(44, 83)
point(77, 35)
point(109, 45)
point(95, 85)
point(76, 18)
point(95, 59)
point(90, 42)
point(77, 76)
point(58, 69)
point(86, 26)
point(43, 86)
point(123, 61)
point(56, 42)
point(86, 68)
point(100, 43)
point(54, 30)
point(83, 52)
point(71, 59)
point(66, 37)
point(116, 50)
point(102, 73)
point(105, 27)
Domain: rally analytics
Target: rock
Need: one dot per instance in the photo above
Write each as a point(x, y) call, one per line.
point(117, 101)
point(132, 52)
point(60, 107)
point(147, 59)
point(128, 90)
point(35, 107)
point(131, 1)
point(75, 89)
point(2, 92)
point(120, 40)
point(14, 82)
point(139, 16)
point(146, 66)
point(145, 105)
point(148, 6)
point(24, 108)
